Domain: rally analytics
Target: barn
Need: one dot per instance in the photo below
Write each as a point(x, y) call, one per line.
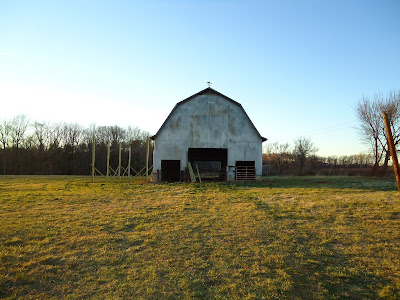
point(213, 133)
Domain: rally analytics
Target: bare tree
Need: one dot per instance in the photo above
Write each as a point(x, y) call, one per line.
point(107, 134)
point(73, 134)
point(135, 134)
point(19, 125)
point(63, 148)
point(390, 105)
point(369, 128)
point(28, 142)
point(118, 134)
point(42, 135)
point(303, 148)
point(278, 154)
point(5, 129)
point(372, 128)
point(56, 135)
point(332, 160)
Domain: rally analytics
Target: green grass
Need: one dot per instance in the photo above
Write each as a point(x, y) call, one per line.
point(279, 238)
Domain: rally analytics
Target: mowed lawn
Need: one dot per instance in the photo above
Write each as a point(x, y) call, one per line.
point(278, 238)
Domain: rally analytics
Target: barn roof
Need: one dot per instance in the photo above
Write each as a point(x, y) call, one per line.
point(203, 92)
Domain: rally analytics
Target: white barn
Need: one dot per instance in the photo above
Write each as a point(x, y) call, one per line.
point(214, 133)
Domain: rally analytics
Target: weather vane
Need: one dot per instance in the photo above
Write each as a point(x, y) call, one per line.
point(209, 83)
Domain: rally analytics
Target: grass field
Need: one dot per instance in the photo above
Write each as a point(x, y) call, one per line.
point(279, 238)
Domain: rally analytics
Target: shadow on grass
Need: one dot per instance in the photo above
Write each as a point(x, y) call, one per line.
point(326, 182)
point(324, 271)
point(316, 264)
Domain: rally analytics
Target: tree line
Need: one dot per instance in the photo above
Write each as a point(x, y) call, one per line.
point(301, 159)
point(40, 148)
point(282, 159)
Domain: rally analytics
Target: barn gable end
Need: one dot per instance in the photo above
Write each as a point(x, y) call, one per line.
point(213, 122)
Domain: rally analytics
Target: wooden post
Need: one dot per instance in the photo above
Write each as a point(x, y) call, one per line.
point(147, 159)
point(119, 162)
point(129, 161)
point(392, 149)
point(93, 157)
point(108, 159)
point(198, 173)
point(192, 176)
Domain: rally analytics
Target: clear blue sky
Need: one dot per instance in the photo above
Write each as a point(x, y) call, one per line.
point(297, 67)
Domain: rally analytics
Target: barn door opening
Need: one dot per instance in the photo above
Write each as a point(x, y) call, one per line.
point(245, 170)
point(211, 162)
point(171, 170)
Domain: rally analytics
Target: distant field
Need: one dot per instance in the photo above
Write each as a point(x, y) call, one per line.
point(279, 238)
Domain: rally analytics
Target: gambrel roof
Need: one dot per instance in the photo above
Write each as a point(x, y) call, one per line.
point(203, 92)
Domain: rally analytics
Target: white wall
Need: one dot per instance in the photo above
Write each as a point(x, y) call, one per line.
point(208, 121)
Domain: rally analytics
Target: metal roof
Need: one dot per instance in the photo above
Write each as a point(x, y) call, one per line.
point(203, 92)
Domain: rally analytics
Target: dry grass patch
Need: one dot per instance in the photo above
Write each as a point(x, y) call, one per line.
point(327, 237)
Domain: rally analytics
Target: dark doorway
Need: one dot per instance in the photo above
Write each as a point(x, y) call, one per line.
point(245, 170)
point(245, 163)
point(211, 162)
point(171, 170)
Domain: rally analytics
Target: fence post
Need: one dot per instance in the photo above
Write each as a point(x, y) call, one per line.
point(93, 156)
point(129, 161)
point(392, 148)
point(147, 160)
point(119, 162)
point(108, 159)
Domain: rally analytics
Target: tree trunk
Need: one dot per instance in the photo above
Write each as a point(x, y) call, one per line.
point(385, 163)
point(4, 160)
point(377, 159)
point(301, 161)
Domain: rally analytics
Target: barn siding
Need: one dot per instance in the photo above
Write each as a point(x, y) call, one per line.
point(208, 121)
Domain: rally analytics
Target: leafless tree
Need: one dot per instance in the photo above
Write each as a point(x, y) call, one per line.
point(28, 142)
point(56, 135)
point(367, 112)
point(41, 135)
point(64, 148)
point(390, 105)
point(5, 129)
point(332, 160)
point(278, 154)
point(135, 134)
point(117, 133)
point(372, 128)
point(73, 134)
point(110, 134)
point(303, 148)
point(364, 159)
point(18, 127)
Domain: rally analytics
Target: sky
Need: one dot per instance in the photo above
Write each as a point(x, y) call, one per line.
point(298, 68)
